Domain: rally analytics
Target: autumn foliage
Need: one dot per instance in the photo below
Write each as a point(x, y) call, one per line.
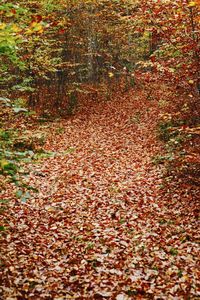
point(99, 149)
point(63, 43)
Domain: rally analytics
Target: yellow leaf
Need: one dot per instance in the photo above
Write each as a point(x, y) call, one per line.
point(191, 81)
point(185, 278)
point(33, 24)
point(2, 26)
point(192, 4)
point(35, 28)
point(3, 163)
point(38, 28)
point(110, 74)
point(16, 28)
point(28, 31)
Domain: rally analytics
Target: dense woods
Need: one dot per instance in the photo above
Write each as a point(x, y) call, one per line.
point(99, 149)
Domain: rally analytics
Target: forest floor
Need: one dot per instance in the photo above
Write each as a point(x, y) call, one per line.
point(104, 225)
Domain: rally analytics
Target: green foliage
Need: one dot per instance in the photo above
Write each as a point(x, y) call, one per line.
point(2, 228)
point(173, 251)
point(180, 273)
point(161, 159)
point(13, 157)
point(5, 135)
point(164, 130)
point(24, 86)
point(8, 167)
point(3, 205)
point(23, 196)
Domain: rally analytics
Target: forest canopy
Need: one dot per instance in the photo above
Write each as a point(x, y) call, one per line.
point(72, 43)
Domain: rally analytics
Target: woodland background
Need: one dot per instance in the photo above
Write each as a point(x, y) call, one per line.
point(66, 69)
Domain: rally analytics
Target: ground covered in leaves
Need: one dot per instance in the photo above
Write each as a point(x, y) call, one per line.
point(104, 225)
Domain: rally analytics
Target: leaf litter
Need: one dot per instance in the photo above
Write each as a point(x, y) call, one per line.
point(101, 227)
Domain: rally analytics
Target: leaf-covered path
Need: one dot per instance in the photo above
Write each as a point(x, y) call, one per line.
point(101, 226)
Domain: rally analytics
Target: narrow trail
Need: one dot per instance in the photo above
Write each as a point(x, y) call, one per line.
point(101, 227)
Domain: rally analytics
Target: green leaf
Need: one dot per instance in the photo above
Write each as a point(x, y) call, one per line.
point(2, 228)
point(173, 251)
point(19, 193)
point(10, 166)
point(4, 201)
point(25, 197)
